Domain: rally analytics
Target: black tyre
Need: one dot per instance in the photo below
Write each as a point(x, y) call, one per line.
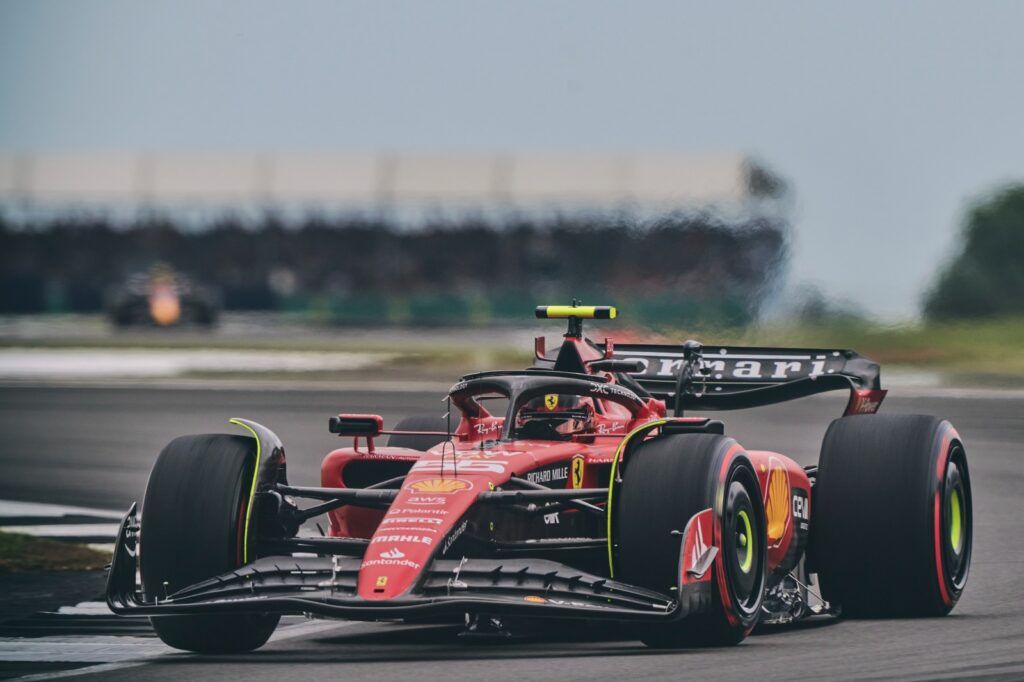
point(891, 528)
point(421, 423)
point(665, 482)
point(193, 528)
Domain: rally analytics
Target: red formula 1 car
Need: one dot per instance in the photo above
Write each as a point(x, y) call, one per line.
point(564, 491)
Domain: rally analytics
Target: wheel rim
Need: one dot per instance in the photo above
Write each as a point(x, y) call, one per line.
point(742, 530)
point(956, 520)
point(745, 542)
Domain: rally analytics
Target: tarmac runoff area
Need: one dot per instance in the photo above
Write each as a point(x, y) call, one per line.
point(90, 449)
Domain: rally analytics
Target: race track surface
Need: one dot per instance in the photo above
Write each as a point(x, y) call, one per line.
point(94, 447)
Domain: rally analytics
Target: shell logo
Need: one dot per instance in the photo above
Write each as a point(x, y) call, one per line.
point(440, 485)
point(777, 502)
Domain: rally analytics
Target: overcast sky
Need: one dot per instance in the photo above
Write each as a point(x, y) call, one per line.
point(885, 116)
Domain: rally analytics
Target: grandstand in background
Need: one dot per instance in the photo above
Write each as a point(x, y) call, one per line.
point(399, 238)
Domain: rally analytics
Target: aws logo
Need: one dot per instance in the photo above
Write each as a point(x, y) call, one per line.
point(439, 485)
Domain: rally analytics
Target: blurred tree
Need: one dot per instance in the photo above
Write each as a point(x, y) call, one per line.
point(987, 277)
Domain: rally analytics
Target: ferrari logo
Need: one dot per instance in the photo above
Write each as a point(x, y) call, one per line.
point(577, 472)
point(551, 401)
point(382, 581)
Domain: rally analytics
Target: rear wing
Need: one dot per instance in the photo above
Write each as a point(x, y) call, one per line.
point(737, 377)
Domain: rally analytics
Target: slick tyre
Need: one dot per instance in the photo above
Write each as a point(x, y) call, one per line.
point(420, 423)
point(891, 528)
point(665, 481)
point(193, 528)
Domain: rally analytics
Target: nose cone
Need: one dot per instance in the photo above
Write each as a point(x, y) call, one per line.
point(424, 513)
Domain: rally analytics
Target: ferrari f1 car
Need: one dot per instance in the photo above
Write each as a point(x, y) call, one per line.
point(564, 491)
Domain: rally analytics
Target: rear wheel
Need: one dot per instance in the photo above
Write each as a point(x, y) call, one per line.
point(665, 482)
point(891, 528)
point(420, 423)
point(193, 528)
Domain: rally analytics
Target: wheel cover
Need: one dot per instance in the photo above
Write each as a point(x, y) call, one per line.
point(745, 540)
point(956, 519)
point(741, 533)
point(955, 529)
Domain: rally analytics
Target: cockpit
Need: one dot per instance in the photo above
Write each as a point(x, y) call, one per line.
point(546, 405)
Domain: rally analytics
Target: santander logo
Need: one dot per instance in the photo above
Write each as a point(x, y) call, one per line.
point(394, 553)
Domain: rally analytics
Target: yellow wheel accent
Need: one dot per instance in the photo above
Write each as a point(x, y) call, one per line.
point(748, 560)
point(611, 484)
point(252, 490)
point(955, 529)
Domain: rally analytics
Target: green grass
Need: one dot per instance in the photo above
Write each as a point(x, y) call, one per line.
point(26, 553)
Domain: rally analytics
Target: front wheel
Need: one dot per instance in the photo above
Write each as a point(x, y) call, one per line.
point(193, 528)
point(666, 481)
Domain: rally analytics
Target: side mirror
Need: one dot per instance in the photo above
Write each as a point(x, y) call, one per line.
point(357, 425)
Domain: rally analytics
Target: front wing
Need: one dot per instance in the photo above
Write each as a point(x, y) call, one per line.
point(326, 586)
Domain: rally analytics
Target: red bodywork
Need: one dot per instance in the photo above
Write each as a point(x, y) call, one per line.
point(429, 514)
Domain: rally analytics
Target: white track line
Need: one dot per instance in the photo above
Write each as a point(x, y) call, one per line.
point(10, 508)
point(52, 521)
point(66, 530)
point(134, 654)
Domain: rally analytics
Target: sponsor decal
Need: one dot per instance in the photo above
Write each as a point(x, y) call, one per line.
point(472, 466)
point(578, 466)
point(764, 367)
point(454, 536)
point(608, 429)
point(411, 519)
point(551, 401)
point(611, 389)
point(403, 510)
point(867, 406)
point(426, 501)
point(777, 502)
point(534, 599)
point(412, 529)
point(801, 509)
point(415, 539)
point(382, 582)
point(393, 554)
point(487, 428)
point(439, 485)
point(551, 519)
point(391, 562)
point(549, 475)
